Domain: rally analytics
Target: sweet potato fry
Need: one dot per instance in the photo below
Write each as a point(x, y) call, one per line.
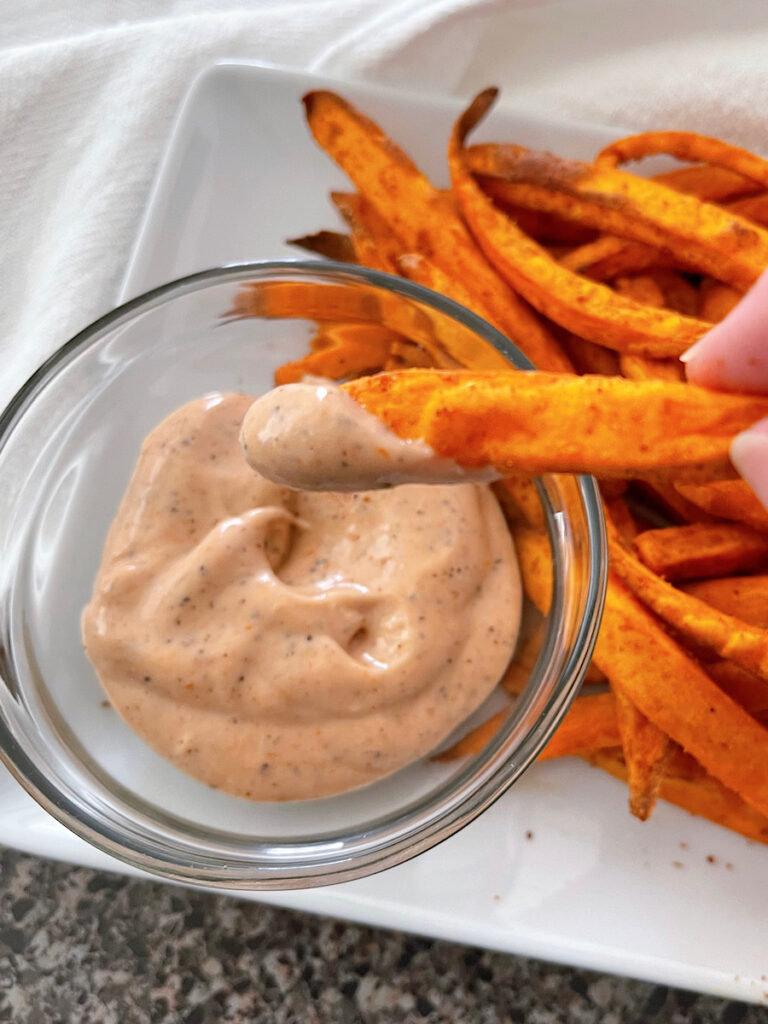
point(740, 684)
point(728, 499)
point(465, 351)
point(725, 635)
point(698, 235)
point(643, 368)
point(375, 245)
point(537, 422)
point(407, 354)
point(624, 522)
point(674, 693)
point(348, 350)
point(423, 219)
point(474, 741)
point(688, 786)
point(717, 300)
point(520, 500)
point(333, 245)
point(745, 597)
point(645, 746)
point(701, 549)
point(534, 555)
point(677, 292)
point(594, 676)
point(707, 182)
point(548, 229)
point(588, 357)
point(641, 288)
point(518, 672)
point(610, 257)
point(664, 504)
point(589, 724)
point(646, 749)
point(687, 146)
point(754, 208)
point(435, 333)
point(585, 307)
point(644, 288)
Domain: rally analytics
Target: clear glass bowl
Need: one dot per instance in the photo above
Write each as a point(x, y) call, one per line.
point(68, 442)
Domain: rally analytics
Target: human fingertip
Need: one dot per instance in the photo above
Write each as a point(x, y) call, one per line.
point(690, 353)
point(749, 455)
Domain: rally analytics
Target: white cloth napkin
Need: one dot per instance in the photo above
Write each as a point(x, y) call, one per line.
point(88, 93)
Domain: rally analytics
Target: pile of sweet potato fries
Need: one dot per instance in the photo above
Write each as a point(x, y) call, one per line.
point(603, 278)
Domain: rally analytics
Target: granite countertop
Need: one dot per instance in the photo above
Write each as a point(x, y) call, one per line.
point(86, 947)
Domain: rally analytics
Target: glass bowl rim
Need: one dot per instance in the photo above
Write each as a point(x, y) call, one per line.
point(314, 862)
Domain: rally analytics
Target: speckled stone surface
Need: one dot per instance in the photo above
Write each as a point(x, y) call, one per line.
point(84, 947)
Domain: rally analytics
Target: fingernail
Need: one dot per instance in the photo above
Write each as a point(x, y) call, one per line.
point(689, 353)
point(749, 454)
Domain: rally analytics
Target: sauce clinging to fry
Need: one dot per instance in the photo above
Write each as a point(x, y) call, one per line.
point(314, 436)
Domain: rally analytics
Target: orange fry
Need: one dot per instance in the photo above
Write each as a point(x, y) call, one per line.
point(585, 307)
point(717, 300)
point(677, 292)
point(641, 288)
point(435, 333)
point(518, 672)
point(347, 350)
point(697, 234)
point(707, 182)
point(643, 368)
point(674, 693)
point(618, 512)
point(423, 218)
point(645, 746)
point(520, 500)
point(745, 597)
point(373, 242)
point(333, 245)
point(540, 422)
point(644, 289)
point(417, 268)
point(474, 741)
point(691, 617)
point(405, 354)
point(588, 357)
point(687, 785)
point(646, 749)
point(535, 557)
point(686, 146)
point(670, 503)
point(740, 684)
point(753, 208)
point(728, 499)
point(610, 255)
point(589, 724)
point(547, 228)
point(701, 549)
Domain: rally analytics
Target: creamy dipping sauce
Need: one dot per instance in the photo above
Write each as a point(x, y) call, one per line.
point(315, 437)
point(283, 645)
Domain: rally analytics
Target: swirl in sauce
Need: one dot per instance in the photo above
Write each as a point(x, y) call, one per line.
point(282, 644)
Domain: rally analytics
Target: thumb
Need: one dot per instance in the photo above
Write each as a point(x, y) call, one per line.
point(749, 454)
point(733, 356)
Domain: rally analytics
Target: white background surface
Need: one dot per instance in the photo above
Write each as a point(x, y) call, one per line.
point(591, 886)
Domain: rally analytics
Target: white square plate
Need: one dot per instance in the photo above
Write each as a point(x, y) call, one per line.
point(557, 868)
